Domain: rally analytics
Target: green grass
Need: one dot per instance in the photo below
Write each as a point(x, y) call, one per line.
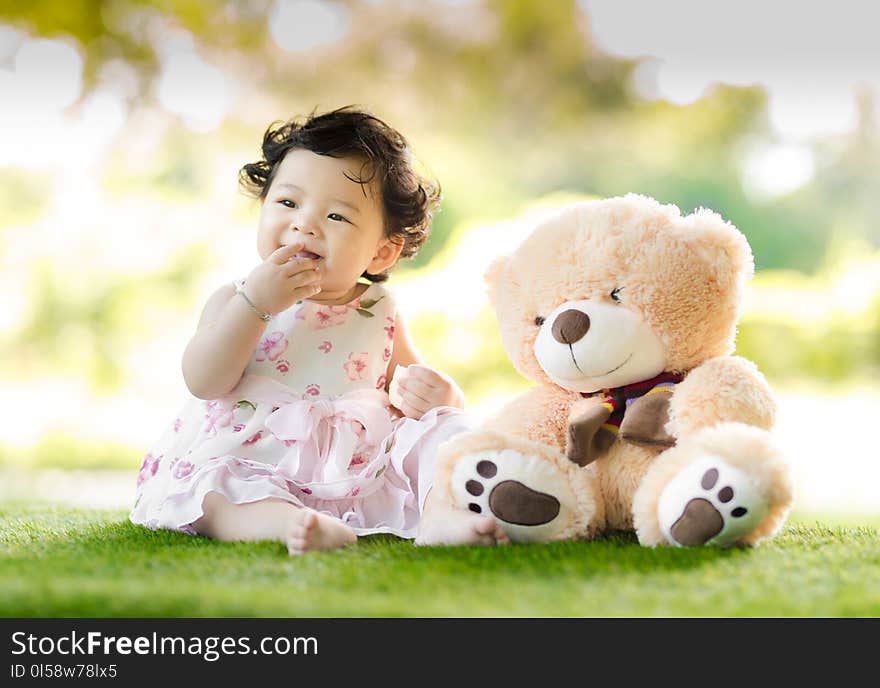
point(64, 562)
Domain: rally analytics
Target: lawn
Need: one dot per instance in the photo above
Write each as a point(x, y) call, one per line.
point(66, 562)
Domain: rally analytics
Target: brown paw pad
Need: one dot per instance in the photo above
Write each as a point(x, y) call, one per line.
point(701, 521)
point(512, 501)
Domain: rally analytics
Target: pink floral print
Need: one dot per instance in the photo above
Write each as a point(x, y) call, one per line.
point(356, 365)
point(253, 439)
point(322, 317)
point(217, 416)
point(299, 346)
point(148, 469)
point(182, 469)
point(325, 318)
point(380, 383)
point(271, 346)
point(389, 328)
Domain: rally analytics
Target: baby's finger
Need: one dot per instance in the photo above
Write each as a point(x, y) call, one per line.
point(416, 388)
point(281, 255)
point(422, 405)
point(427, 375)
point(410, 408)
point(296, 265)
point(304, 279)
point(292, 269)
point(305, 292)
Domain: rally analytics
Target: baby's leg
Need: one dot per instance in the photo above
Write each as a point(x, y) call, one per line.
point(443, 524)
point(299, 528)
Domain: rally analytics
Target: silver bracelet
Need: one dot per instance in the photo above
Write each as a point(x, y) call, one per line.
point(262, 315)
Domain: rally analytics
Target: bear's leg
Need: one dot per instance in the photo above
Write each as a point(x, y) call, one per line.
point(724, 485)
point(531, 489)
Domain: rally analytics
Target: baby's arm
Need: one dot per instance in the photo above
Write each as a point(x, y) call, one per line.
point(421, 388)
point(229, 329)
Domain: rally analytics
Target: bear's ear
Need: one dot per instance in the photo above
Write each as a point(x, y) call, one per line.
point(494, 275)
point(722, 247)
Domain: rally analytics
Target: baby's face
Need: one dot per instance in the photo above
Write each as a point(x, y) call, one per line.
point(313, 201)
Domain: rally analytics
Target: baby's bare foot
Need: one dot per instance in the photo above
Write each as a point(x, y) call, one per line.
point(310, 530)
point(446, 525)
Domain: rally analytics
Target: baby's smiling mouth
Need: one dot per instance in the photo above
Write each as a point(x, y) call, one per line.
point(308, 254)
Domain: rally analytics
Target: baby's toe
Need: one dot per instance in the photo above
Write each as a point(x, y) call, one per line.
point(488, 527)
point(309, 521)
point(486, 540)
point(484, 525)
point(297, 531)
point(296, 545)
point(501, 537)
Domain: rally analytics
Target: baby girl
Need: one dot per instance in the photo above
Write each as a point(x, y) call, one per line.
point(291, 434)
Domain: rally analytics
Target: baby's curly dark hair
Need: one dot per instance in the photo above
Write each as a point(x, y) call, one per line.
point(409, 200)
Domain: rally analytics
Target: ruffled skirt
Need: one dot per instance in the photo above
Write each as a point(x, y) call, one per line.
point(347, 457)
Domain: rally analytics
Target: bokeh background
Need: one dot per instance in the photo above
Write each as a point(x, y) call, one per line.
point(123, 124)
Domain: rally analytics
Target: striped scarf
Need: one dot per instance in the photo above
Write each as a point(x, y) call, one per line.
point(618, 399)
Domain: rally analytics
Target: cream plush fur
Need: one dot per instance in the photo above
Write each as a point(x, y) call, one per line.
point(680, 279)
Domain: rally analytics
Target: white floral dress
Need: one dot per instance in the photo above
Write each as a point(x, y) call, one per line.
point(310, 423)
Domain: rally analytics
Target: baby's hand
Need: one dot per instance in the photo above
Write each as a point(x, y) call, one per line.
point(418, 389)
point(282, 280)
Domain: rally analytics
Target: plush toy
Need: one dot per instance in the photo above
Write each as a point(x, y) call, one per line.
point(623, 313)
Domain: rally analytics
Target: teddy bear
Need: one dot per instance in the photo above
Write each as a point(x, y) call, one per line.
point(623, 314)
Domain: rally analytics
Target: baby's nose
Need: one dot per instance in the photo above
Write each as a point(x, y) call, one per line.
point(293, 232)
point(304, 226)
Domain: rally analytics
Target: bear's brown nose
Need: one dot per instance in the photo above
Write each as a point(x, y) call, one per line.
point(570, 326)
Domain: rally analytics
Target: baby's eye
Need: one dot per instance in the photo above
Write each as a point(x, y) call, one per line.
point(287, 203)
point(539, 320)
point(336, 217)
point(615, 294)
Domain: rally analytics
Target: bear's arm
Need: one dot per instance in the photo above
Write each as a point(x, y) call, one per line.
point(540, 414)
point(726, 388)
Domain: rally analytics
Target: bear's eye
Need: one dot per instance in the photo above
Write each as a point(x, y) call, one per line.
point(539, 320)
point(615, 294)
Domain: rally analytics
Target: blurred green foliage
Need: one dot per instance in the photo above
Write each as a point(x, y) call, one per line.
point(834, 339)
point(89, 332)
point(60, 450)
point(838, 351)
point(22, 198)
point(483, 371)
point(505, 100)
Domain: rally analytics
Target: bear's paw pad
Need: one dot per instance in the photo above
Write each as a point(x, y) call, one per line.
point(525, 495)
point(710, 502)
point(511, 501)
